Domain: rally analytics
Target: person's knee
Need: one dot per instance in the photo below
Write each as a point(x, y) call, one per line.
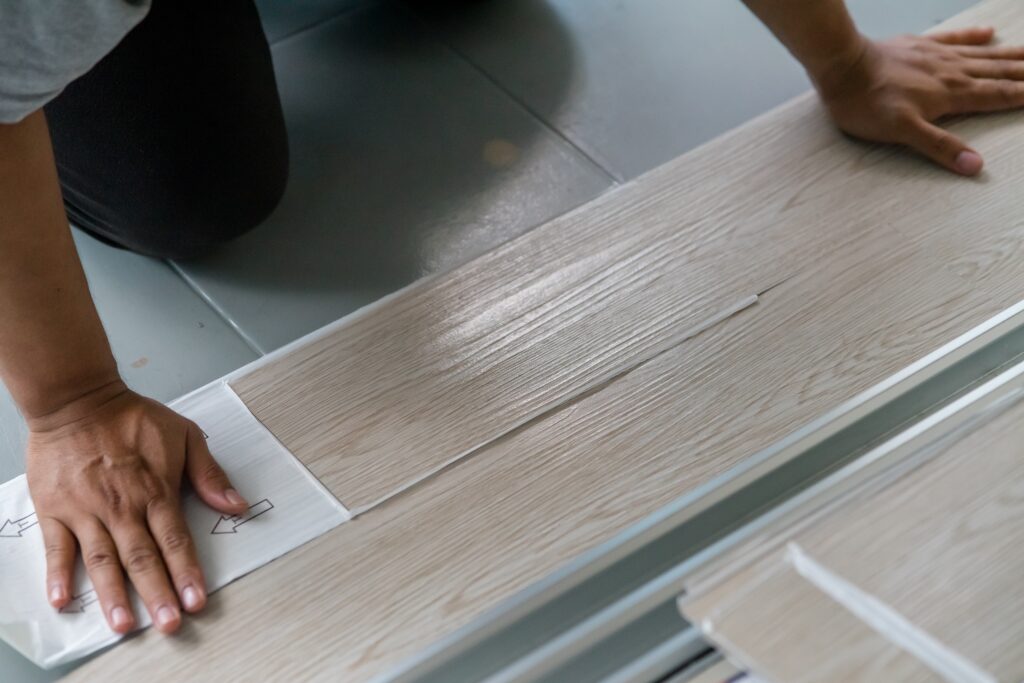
point(204, 209)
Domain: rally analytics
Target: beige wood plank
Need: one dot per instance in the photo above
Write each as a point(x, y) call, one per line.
point(453, 362)
point(941, 545)
point(754, 623)
point(357, 601)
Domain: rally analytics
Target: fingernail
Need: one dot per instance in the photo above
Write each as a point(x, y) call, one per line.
point(120, 617)
point(56, 592)
point(165, 616)
point(233, 497)
point(191, 597)
point(968, 162)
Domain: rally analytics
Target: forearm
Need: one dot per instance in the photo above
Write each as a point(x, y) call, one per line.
point(53, 348)
point(819, 33)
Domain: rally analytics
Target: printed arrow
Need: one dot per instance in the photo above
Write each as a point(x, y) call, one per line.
point(229, 525)
point(80, 602)
point(16, 527)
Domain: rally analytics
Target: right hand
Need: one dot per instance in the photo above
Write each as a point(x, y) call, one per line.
point(894, 91)
point(105, 471)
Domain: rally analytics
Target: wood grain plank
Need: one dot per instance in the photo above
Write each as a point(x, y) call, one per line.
point(457, 361)
point(357, 601)
point(941, 545)
point(753, 623)
point(454, 362)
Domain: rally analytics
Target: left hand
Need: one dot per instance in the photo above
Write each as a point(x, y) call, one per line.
point(894, 91)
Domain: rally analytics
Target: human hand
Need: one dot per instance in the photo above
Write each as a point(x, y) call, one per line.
point(106, 470)
point(894, 91)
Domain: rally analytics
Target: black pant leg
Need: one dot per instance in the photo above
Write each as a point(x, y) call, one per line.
point(175, 142)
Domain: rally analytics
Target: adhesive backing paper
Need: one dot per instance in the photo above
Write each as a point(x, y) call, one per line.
point(288, 507)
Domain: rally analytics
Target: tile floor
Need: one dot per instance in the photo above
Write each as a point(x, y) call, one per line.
point(423, 133)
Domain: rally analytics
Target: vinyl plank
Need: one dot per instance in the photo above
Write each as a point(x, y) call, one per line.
point(395, 393)
point(939, 545)
point(357, 601)
point(458, 360)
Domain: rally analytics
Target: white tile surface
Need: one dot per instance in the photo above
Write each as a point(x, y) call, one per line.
point(636, 83)
point(405, 161)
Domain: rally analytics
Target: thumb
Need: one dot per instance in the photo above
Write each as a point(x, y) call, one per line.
point(943, 148)
point(207, 478)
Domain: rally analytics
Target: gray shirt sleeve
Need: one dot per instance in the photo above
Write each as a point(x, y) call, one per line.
point(46, 44)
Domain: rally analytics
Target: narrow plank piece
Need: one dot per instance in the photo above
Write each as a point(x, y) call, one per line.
point(929, 562)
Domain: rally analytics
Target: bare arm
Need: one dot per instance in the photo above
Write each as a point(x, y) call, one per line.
point(894, 91)
point(104, 464)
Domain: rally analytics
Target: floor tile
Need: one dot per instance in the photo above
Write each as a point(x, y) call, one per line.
point(405, 161)
point(637, 83)
point(283, 18)
point(166, 339)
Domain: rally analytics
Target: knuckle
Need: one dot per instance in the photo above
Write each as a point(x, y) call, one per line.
point(152, 488)
point(175, 541)
point(116, 503)
point(100, 558)
point(55, 552)
point(902, 119)
point(140, 560)
point(956, 80)
point(942, 144)
point(211, 471)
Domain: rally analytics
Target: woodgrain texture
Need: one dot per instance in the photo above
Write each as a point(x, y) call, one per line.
point(454, 362)
point(437, 369)
point(941, 545)
point(358, 600)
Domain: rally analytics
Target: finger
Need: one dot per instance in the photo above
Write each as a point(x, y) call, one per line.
point(973, 35)
point(60, 547)
point(943, 148)
point(990, 95)
point(146, 570)
point(104, 569)
point(992, 51)
point(168, 527)
point(208, 479)
point(999, 69)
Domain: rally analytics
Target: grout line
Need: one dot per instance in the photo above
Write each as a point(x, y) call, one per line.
point(616, 178)
point(341, 12)
point(216, 308)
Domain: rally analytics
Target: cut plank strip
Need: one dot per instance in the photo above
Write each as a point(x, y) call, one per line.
point(939, 548)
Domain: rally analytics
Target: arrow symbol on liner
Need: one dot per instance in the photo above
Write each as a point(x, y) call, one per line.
point(80, 602)
point(14, 528)
point(229, 525)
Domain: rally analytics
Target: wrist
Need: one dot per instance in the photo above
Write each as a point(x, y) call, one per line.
point(76, 403)
point(840, 67)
